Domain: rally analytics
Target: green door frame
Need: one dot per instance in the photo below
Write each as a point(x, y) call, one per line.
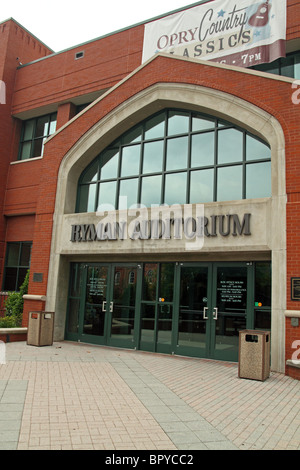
point(210, 314)
point(171, 346)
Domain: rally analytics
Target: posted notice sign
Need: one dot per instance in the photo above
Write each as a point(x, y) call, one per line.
point(235, 32)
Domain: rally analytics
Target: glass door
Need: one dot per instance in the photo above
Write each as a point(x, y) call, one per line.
point(122, 305)
point(194, 310)
point(93, 321)
point(230, 305)
point(156, 322)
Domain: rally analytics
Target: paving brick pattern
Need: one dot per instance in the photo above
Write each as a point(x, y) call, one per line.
point(76, 396)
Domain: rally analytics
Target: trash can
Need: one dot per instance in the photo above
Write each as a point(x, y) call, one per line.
point(40, 329)
point(254, 354)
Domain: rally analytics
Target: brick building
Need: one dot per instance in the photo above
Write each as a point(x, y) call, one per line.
point(209, 151)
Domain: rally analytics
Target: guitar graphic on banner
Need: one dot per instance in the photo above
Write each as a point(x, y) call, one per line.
point(261, 17)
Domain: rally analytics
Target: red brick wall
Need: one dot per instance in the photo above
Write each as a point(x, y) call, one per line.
point(15, 42)
point(292, 347)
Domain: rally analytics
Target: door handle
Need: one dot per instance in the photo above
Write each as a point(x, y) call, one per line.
point(205, 317)
point(215, 313)
point(111, 307)
point(104, 306)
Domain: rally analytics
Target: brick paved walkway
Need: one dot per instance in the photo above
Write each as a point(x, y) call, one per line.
point(77, 396)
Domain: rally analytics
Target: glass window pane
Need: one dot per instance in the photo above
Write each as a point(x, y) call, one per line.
point(110, 163)
point(42, 125)
point(177, 153)
point(91, 174)
point(229, 183)
point(107, 195)
point(166, 288)
point(131, 160)
point(297, 67)
point(13, 251)
point(153, 157)
point(155, 127)
point(151, 190)
point(175, 188)
point(201, 124)
point(178, 123)
point(263, 284)
point(28, 130)
point(255, 149)
point(230, 146)
point(258, 180)
point(25, 254)
point(149, 281)
point(73, 315)
point(134, 135)
point(202, 186)
point(26, 151)
point(287, 67)
point(38, 148)
point(10, 281)
point(203, 149)
point(129, 193)
point(52, 127)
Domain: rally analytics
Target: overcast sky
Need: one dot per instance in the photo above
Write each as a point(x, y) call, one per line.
point(61, 24)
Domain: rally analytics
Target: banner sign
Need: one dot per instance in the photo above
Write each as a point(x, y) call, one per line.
point(235, 32)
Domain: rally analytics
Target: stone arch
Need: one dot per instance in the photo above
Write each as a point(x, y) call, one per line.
point(130, 113)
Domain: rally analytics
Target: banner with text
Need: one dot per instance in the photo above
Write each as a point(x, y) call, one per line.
point(241, 33)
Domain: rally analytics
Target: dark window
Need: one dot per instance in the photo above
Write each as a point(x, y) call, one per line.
point(288, 66)
point(177, 157)
point(34, 133)
point(17, 264)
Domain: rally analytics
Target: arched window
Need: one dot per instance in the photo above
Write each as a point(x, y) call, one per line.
point(177, 157)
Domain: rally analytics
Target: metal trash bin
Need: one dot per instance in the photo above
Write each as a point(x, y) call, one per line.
point(254, 354)
point(40, 329)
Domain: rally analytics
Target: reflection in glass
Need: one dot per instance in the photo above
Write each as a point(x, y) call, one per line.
point(147, 324)
point(193, 299)
point(263, 284)
point(166, 289)
point(91, 174)
point(128, 193)
point(153, 157)
point(164, 327)
point(203, 153)
point(230, 183)
point(110, 163)
point(155, 127)
point(150, 281)
point(107, 194)
point(177, 153)
point(202, 186)
point(73, 315)
point(201, 124)
point(178, 122)
point(255, 149)
point(258, 180)
point(232, 305)
point(230, 146)
point(94, 312)
point(175, 188)
point(151, 190)
point(131, 160)
point(28, 131)
point(134, 135)
point(123, 309)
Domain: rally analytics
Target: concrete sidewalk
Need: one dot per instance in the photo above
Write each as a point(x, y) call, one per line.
point(79, 396)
